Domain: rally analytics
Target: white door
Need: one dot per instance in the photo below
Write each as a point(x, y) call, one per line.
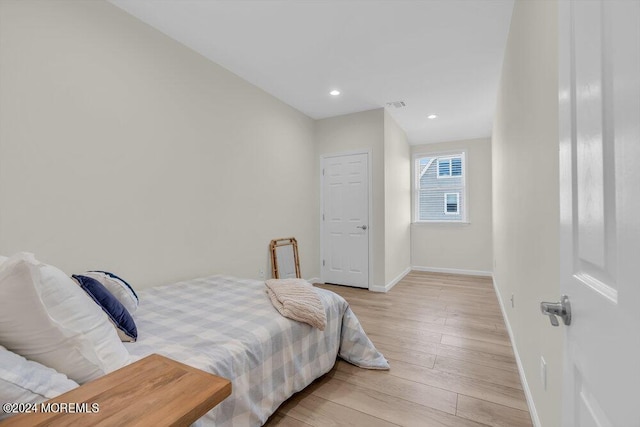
point(600, 210)
point(345, 220)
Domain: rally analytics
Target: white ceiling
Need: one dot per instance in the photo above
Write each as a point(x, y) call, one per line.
point(438, 56)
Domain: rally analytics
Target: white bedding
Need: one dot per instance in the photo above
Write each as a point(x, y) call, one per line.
point(227, 326)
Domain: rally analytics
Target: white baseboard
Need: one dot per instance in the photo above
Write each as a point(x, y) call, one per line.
point(525, 385)
point(315, 280)
point(391, 284)
point(453, 271)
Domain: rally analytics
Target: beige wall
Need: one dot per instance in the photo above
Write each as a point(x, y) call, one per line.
point(525, 198)
point(459, 247)
point(356, 132)
point(397, 201)
point(121, 149)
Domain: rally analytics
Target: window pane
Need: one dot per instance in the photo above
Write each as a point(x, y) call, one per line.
point(444, 168)
point(422, 166)
point(452, 202)
point(456, 166)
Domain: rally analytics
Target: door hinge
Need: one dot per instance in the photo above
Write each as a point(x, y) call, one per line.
point(322, 172)
point(323, 217)
point(323, 263)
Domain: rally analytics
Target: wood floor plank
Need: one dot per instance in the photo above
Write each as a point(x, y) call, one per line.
point(501, 327)
point(408, 305)
point(422, 394)
point(280, 420)
point(468, 309)
point(462, 323)
point(473, 344)
point(412, 356)
point(451, 284)
point(316, 411)
point(508, 378)
point(401, 318)
point(386, 406)
point(431, 331)
point(470, 296)
point(403, 343)
point(491, 414)
point(417, 334)
point(479, 357)
point(495, 319)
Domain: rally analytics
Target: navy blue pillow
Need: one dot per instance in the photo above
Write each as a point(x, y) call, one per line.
point(119, 316)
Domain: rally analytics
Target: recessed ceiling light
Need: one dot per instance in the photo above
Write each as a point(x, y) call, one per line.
point(334, 92)
point(432, 116)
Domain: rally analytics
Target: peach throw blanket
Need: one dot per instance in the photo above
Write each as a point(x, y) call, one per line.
point(297, 300)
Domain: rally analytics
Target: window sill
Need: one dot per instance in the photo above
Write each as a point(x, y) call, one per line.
point(438, 223)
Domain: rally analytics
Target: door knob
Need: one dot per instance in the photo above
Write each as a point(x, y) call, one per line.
point(364, 227)
point(553, 309)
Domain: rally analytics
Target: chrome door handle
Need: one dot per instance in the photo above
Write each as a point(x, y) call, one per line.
point(364, 227)
point(553, 309)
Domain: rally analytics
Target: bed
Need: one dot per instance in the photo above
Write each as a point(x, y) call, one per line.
point(228, 326)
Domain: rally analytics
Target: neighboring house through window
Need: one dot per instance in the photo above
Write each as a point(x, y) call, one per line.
point(449, 167)
point(440, 188)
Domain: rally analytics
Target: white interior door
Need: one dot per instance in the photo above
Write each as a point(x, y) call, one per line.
point(600, 210)
point(345, 220)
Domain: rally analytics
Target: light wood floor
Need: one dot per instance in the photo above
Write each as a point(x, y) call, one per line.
point(451, 361)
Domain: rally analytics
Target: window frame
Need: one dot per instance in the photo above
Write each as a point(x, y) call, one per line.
point(462, 199)
point(446, 204)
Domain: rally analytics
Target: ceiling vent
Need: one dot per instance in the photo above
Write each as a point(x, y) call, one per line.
point(396, 104)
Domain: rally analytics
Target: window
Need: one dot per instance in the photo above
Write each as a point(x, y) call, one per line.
point(449, 167)
point(452, 203)
point(440, 188)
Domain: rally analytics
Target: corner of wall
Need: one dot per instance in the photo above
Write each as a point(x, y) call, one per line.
point(397, 201)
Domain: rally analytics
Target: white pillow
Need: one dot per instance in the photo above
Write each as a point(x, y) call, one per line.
point(25, 381)
point(46, 317)
point(118, 288)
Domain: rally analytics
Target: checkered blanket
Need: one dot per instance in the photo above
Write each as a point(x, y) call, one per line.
point(227, 326)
